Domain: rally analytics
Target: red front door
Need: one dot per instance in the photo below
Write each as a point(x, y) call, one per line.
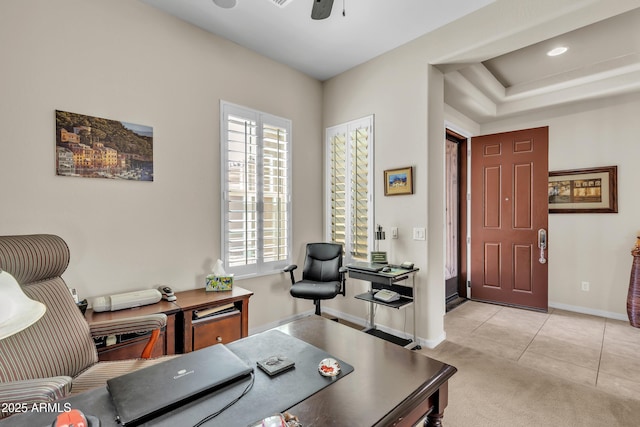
point(509, 207)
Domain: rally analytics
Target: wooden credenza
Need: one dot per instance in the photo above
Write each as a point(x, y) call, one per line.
point(185, 331)
point(222, 327)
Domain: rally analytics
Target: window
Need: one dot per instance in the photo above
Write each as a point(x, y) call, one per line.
point(349, 173)
point(256, 193)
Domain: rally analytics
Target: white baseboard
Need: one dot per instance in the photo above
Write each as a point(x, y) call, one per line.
point(433, 343)
point(585, 310)
point(423, 342)
point(352, 319)
point(363, 322)
point(349, 318)
point(267, 326)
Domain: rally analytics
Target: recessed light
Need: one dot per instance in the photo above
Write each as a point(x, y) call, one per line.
point(557, 51)
point(225, 4)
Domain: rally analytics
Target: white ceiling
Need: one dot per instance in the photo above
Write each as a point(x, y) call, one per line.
point(323, 48)
point(603, 58)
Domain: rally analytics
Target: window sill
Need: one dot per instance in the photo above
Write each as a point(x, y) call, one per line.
point(247, 276)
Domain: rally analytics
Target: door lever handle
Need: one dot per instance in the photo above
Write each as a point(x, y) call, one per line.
point(542, 244)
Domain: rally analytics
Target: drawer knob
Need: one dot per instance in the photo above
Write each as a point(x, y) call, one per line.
point(219, 339)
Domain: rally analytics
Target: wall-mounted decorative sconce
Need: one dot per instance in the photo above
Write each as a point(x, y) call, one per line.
point(377, 256)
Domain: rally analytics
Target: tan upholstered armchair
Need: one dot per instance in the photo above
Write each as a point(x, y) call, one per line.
point(56, 356)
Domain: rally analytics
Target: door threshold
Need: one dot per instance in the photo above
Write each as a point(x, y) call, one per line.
point(504, 304)
point(455, 303)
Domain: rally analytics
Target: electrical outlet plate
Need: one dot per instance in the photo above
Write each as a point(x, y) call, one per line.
point(585, 286)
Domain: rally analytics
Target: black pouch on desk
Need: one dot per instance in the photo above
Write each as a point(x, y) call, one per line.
point(152, 391)
point(275, 364)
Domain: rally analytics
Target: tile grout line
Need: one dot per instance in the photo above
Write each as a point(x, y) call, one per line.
point(608, 324)
point(534, 337)
point(604, 331)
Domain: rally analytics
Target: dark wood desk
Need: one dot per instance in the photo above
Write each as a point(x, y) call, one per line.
point(390, 385)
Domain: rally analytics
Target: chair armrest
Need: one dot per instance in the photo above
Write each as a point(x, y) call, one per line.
point(289, 269)
point(128, 325)
point(343, 288)
point(150, 322)
point(20, 396)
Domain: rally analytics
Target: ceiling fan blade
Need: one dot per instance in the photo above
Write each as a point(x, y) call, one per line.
point(321, 9)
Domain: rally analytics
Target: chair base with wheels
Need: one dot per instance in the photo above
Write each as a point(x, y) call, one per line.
point(323, 276)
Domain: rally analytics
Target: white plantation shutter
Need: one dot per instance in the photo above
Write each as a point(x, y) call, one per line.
point(256, 205)
point(338, 188)
point(275, 193)
point(350, 186)
point(359, 139)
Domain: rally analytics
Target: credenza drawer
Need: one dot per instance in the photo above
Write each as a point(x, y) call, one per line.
point(212, 317)
point(223, 328)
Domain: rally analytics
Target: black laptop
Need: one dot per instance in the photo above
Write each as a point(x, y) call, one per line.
point(152, 391)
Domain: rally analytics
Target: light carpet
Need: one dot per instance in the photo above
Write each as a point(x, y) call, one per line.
point(489, 391)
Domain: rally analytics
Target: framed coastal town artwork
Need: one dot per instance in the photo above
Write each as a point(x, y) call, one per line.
point(398, 181)
point(93, 147)
point(593, 190)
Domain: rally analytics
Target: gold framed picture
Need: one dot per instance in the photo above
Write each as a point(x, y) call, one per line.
point(398, 181)
point(593, 190)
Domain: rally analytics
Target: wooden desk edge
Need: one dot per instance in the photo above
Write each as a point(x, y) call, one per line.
point(430, 401)
point(196, 298)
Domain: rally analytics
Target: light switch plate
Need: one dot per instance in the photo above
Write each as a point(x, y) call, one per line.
point(419, 233)
point(394, 232)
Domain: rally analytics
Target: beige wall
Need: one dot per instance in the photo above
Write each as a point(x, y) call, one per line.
point(124, 60)
point(405, 94)
point(398, 143)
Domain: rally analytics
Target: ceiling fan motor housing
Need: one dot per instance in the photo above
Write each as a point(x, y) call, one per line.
point(321, 9)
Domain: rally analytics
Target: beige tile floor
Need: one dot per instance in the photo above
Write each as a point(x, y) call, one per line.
point(591, 350)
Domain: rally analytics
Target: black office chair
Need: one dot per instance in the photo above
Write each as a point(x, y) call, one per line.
point(323, 276)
